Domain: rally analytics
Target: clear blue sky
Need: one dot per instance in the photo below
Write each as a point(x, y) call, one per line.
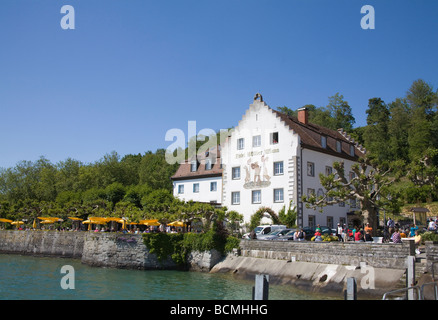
point(133, 69)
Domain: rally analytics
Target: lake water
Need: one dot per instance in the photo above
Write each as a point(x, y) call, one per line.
point(36, 278)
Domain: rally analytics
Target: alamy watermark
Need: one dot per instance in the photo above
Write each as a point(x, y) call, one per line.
point(368, 20)
point(68, 281)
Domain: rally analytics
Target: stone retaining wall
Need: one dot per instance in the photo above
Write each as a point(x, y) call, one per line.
point(379, 255)
point(432, 257)
point(114, 250)
point(44, 243)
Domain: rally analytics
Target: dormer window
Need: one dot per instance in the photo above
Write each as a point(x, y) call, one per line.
point(324, 142)
point(193, 166)
point(352, 150)
point(208, 164)
point(338, 146)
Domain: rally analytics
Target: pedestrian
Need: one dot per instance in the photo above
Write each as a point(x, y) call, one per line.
point(368, 231)
point(412, 230)
point(299, 235)
point(339, 231)
point(345, 233)
point(432, 225)
point(391, 225)
point(358, 236)
point(396, 237)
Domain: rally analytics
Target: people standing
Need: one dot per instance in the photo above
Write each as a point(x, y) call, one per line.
point(432, 225)
point(339, 231)
point(391, 225)
point(412, 230)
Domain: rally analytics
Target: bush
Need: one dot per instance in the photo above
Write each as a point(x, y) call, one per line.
point(429, 236)
point(178, 246)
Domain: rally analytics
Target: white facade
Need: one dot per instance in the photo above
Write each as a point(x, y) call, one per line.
point(208, 189)
point(271, 160)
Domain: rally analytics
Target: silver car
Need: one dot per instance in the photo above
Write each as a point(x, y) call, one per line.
point(273, 235)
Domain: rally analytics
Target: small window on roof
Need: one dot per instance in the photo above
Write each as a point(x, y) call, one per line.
point(352, 150)
point(324, 142)
point(338, 146)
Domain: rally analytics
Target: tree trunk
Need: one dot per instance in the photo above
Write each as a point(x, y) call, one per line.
point(369, 214)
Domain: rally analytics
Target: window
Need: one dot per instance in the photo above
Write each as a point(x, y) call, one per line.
point(235, 173)
point(310, 192)
point(235, 197)
point(311, 221)
point(278, 195)
point(208, 165)
point(342, 204)
point(257, 141)
point(330, 222)
point(240, 144)
point(352, 203)
point(328, 170)
point(351, 150)
point(324, 142)
point(195, 187)
point(310, 169)
point(338, 146)
point(351, 175)
point(213, 186)
point(342, 221)
point(278, 168)
point(256, 196)
point(274, 138)
point(181, 189)
point(193, 166)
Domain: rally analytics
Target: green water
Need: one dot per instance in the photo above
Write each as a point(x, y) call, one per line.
point(35, 278)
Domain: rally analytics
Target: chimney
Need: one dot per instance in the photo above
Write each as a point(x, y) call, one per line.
point(303, 115)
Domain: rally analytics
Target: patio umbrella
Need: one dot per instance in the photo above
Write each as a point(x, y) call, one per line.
point(5, 220)
point(176, 224)
point(152, 222)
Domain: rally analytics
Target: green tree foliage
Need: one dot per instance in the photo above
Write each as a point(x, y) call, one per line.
point(337, 114)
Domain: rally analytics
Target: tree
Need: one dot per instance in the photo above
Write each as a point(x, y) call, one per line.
point(155, 172)
point(422, 101)
point(398, 128)
point(375, 134)
point(423, 172)
point(341, 115)
point(369, 187)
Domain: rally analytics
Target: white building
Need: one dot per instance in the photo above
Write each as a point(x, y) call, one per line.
point(271, 160)
point(200, 179)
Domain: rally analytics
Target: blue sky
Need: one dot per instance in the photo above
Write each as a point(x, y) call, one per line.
point(131, 70)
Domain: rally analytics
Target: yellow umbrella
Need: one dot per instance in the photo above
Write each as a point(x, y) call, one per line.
point(153, 222)
point(5, 220)
point(34, 224)
point(47, 221)
point(75, 219)
point(17, 223)
point(176, 224)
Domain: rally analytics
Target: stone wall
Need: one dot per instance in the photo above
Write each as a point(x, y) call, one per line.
point(123, 251)
point(432, 257)
point(44, 243)
point(379, 255)
point(113, 250)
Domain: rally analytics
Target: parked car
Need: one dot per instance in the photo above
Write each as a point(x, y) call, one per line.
point(265, 229)
point(273, 235)
point(288, 236)
point(310, 231)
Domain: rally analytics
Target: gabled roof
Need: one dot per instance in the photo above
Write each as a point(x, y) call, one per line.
point(184, 170)
point(310, 135)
